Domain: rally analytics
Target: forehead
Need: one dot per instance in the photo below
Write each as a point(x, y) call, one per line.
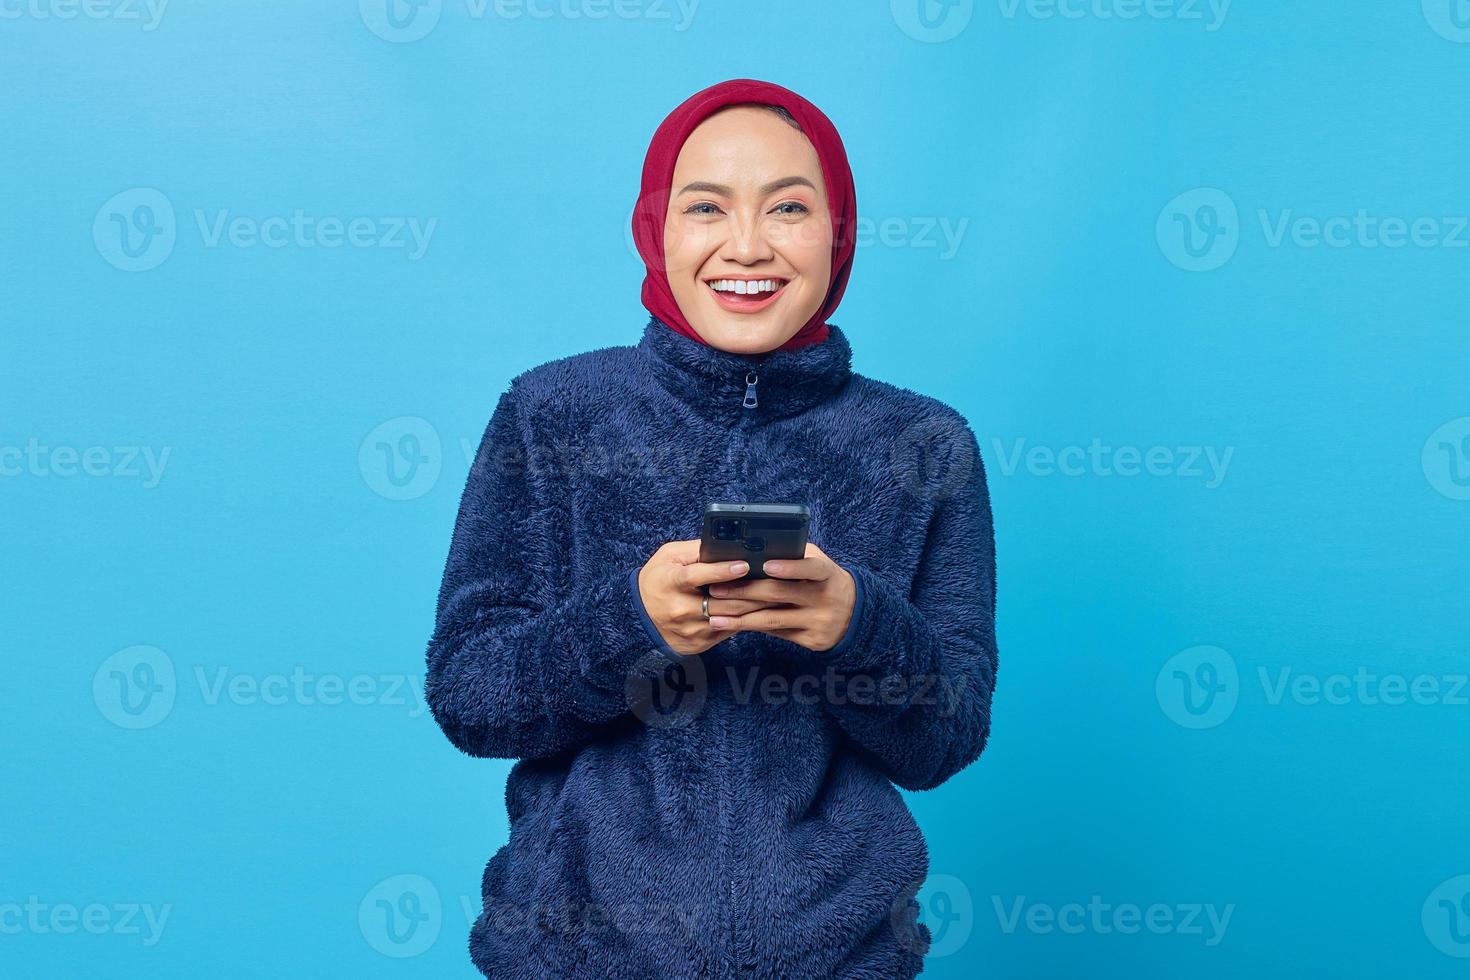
point(746, 143)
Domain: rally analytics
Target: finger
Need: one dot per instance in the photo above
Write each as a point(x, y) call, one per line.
point(736, 607)
point(773, 590)
point(700, 573)
point(764, 620)
point(813, 568)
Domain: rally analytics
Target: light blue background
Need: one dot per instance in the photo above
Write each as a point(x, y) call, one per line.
point(1334, 543)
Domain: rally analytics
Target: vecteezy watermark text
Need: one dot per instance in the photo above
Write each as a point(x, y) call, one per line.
point(1363, 686)
point(1201, 687)
point(402, 916)
point(1209, 463)
point(1210, 13)
point(402, 459)
point(1201, 230)
point(302, 230)
point(836, 688)
point(147, 13)
point(589, 918)
point(137, 688)
point(406, 21)
point(1125, 918)
point(145, 463)
point(137, 230)
point(934, 21)
point(40, 918)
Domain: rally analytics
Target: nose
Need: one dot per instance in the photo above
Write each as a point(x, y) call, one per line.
point(747, 243)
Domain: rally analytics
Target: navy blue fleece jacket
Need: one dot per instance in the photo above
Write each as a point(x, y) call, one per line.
point(732, 813)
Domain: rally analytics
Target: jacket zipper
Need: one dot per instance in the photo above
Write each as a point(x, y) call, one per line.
point(749, 402)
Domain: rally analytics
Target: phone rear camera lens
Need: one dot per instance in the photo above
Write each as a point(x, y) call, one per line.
point(727, 529)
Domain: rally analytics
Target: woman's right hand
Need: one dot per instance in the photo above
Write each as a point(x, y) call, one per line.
point(671, 585)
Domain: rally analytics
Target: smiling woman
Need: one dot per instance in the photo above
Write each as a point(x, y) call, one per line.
point(673, 812)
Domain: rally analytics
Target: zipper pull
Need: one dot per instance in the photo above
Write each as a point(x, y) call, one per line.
point(750, 379)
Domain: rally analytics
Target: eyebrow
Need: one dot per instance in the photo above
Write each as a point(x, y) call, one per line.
point(771, 188)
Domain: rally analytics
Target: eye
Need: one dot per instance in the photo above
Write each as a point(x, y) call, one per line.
point(697, 208)
point(800, 208)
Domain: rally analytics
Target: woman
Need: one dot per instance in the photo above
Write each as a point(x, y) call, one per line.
point(754, 830)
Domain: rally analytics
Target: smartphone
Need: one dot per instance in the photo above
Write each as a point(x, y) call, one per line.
point(753, 532)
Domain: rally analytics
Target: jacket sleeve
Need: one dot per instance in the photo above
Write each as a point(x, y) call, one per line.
point(928, 659)
point(515, 668)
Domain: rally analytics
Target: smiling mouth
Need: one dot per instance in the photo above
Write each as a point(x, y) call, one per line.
point(746, 295)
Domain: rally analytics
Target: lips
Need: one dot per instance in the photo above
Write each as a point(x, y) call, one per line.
point(745, 303)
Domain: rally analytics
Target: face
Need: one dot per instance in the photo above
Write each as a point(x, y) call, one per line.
point(747, 234)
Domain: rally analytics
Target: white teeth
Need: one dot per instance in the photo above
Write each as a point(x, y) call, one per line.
point(743, 287)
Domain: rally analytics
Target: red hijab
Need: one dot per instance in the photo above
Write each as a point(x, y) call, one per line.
point(658, 176)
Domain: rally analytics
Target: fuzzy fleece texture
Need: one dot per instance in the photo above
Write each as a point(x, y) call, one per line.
point(733, 813)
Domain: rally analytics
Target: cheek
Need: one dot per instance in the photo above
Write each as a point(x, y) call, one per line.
point(807, 246)
point(683, 242)
point(679, 247)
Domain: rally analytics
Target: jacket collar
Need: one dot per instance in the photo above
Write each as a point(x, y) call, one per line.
point(713, 382)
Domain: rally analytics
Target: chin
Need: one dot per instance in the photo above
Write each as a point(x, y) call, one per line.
point(744, 334)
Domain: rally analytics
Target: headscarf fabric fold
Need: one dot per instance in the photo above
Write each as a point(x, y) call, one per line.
point(650, 211)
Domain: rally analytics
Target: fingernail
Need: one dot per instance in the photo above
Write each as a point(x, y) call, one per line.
point(716, 591)
point(739, 567)
point(719, 622)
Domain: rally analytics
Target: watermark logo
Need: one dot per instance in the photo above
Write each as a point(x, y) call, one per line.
point(934, 459)
point(135, 688)
point(932, 21)
point(135, 230)
point(1198, 687)
point(1446, 459)
point(1450, 19)
point(1446, 917)
point(400, 21)
point(944, 907)
point(666, 693)
point(401, 458)
point(401, 916)
point(1199, 230)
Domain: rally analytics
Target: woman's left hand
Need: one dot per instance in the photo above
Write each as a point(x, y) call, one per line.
point(818, 596)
